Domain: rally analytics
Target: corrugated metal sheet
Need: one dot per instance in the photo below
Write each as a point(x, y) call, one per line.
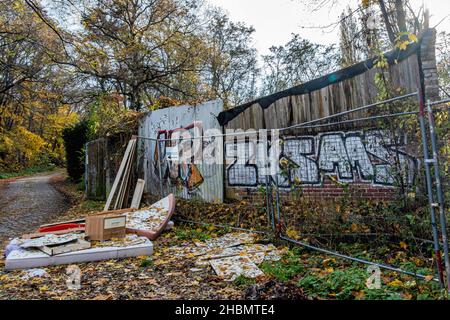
point(209, 184)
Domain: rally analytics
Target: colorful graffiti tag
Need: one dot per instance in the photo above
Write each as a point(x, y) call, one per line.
point(181, 171)
point(371, 156)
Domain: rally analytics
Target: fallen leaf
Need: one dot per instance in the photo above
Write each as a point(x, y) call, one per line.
point(428, 278)
point(395, 283)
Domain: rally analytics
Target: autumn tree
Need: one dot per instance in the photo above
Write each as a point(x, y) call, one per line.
point(32, 90)
point(139, 48)
point(296, 62)
point(231, 69)
point(443, 47)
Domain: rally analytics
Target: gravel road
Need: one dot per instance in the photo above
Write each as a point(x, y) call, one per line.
point(26, 203)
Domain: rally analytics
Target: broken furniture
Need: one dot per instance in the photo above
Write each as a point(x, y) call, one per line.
point(105, 226)
point(150, 222)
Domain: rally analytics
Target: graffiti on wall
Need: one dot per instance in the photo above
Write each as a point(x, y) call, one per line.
point(178, 170)
point(371, 156)
point(174, 128)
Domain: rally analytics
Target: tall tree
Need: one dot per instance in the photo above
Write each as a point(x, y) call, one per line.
point(33, 92)
point(444, 63)
point(231, 69)
point(296, 62)
point(137, 47)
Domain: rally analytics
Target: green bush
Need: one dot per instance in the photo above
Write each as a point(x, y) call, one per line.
point(75, 139)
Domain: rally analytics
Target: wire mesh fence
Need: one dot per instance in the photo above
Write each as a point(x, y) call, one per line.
point(351, 185)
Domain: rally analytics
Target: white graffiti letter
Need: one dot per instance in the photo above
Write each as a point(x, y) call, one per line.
point(332, 154)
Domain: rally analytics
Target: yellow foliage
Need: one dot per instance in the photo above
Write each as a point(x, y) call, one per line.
point(366, 3)
point(395, 283)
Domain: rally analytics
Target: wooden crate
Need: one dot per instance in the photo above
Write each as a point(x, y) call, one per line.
point(105, 227)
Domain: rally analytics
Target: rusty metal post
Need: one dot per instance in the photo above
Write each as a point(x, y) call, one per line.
point(440, 194)
point(429, 184)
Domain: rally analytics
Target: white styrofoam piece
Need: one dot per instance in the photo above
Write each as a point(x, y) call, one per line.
point(26, 259)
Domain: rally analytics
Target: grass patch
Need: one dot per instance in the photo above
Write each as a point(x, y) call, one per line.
point(242, 281)
point(350, 284)
point(285, 269)
point(339, 284)
point(92, 205)
point(191, 234)
point(146, 263)
point(27, 171)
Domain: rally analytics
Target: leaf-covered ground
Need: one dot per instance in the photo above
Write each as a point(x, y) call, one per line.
point(300, 274)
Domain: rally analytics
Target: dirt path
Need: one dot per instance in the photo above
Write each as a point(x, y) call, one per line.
point(26, 203)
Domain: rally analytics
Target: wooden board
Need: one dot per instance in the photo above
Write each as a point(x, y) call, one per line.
point(130, 145)
point(137, 196)
point(126, 176)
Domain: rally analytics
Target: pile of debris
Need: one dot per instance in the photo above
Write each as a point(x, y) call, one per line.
point(101, 236)
point(123, 233)
point(231, 255)
point(119, 233)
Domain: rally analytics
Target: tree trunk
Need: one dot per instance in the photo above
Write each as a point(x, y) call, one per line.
point(401, 15)
point(387, 22)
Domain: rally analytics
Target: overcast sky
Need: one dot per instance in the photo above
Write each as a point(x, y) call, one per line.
point(275, 20)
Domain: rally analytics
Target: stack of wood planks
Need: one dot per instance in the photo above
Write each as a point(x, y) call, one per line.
point(120, 187)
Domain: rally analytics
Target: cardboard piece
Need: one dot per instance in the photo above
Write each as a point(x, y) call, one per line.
point(106, 226)
point(77, 245)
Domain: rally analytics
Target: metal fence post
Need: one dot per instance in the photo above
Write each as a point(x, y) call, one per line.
point(437, 250)
point(159, 168)
point(440, 193)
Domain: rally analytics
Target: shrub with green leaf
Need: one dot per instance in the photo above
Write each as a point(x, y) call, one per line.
point(75, 138)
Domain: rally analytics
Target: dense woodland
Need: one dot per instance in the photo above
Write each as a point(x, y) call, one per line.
point(103, 62)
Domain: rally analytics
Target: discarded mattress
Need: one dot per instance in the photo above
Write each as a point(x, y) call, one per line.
point(150, 222)
point(21, 258)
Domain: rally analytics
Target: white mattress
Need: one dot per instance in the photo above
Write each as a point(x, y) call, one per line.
point(33, 258)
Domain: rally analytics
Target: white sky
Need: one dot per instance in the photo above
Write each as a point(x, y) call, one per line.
point(275, 20)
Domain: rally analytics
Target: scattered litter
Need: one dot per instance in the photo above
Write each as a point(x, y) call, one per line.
point(228, 240)
point(169, 226)
point(231, 255)
point(33, 273)
point(231, 267)
point(13, 245)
